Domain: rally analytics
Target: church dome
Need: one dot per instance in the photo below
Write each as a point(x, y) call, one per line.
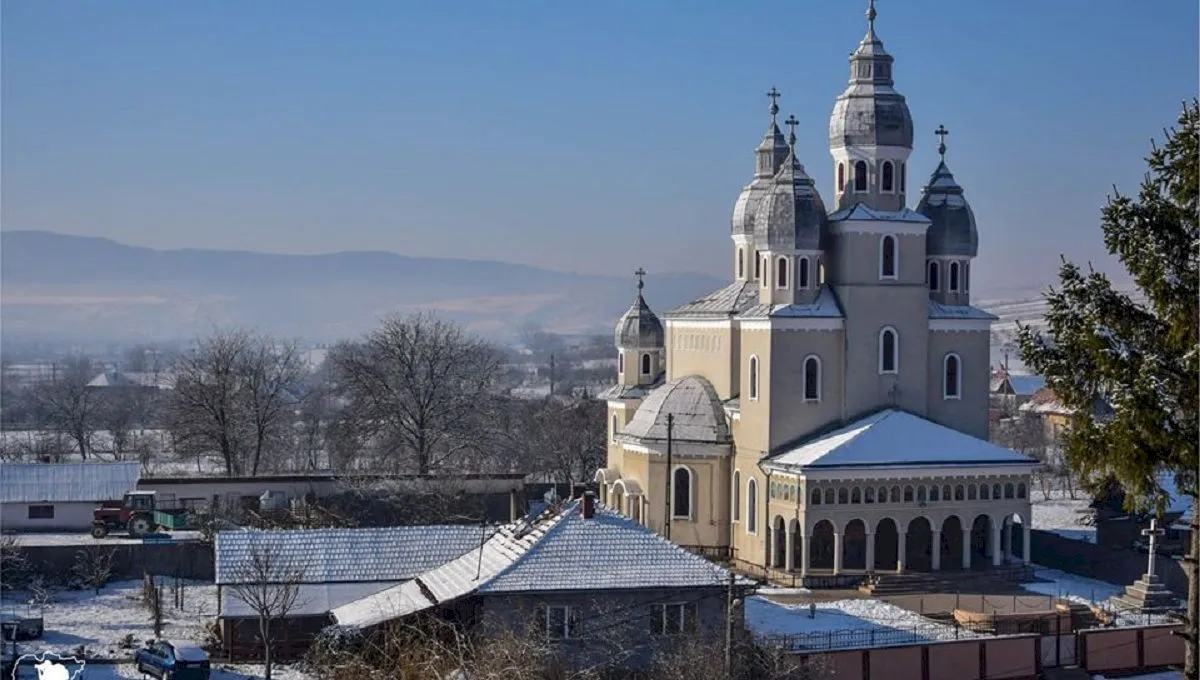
point(692, 400)
point(792, 216)
point(952, 229)
point(639, 327)
point(870, 112)
point(768, 157)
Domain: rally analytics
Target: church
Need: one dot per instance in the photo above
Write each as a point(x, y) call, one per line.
point(825, 414)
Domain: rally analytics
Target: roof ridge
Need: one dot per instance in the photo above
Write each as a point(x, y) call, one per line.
point(554, 522)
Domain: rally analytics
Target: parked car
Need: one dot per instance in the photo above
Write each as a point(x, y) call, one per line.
point(173, 660)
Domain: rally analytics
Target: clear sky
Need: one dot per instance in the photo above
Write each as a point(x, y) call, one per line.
point(583, 136)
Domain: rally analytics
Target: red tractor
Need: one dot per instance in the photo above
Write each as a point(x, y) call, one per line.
point(135, 513)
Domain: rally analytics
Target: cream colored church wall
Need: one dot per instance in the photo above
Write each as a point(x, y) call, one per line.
point(709, 523)
point(853, 259)
point(792, 416)
point(750, 546)
point(868, 311)
point(623, 412)
point(704, 350)
point(754, 429)
point(970, 412)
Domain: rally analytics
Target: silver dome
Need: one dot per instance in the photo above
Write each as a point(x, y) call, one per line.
point(952, 230)
point(639, 327)
point(792, 216)
point(692, 400)
point(870, 112)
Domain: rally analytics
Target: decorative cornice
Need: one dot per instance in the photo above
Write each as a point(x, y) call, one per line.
point(878, 227)
point(960, 325)
point(794, 324)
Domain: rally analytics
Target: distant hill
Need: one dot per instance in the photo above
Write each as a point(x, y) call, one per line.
point(73, 288)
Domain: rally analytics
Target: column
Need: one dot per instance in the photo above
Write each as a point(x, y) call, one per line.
point(804, 561)
point(995, 545)
point(966, 551)
point(1026, 558)
point(935, 549)
point(901, 546)
point(789, 559)
point(870, 553)
point(1008, 556)
point(837, 553)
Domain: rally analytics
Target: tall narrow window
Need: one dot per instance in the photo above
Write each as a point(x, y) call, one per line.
point(620, 362)
point(820, 272)
point(782, 277)
point(757, 265)
point(860, 176)
point(802, 272)
point(682, 496)
point(966, 274)
point(616, 427)
point(645, 364)
point(888, 178)
point(953, 277)
point(887, 257)
point(887, 351)
point(752, 375)
point(737, 495)
point(934, 274)
point(841, 179)
point(812, 379)
point(741, 265)
point(903, 177)
point(951, 379)
point(751, 506)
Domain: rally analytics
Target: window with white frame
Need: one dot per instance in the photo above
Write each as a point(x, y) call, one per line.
point(681, 490)
point(812, 378)
point(888, 180)
point(860, 176)
point(41, 512)
point(782, 273)
point(934, 274)
point(952, 377)
point(887, 257)
point(953, 277)
point(645, 364)
point(736, 505)
point(752, 377)
point(757, 265)
point(802, 272)
point(673, 619)
point(751, 506)
point(889, 358)
point(561, 621)
point(841, 177)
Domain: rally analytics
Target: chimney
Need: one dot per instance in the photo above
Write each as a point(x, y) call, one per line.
point(577, 490)
point(588, 506)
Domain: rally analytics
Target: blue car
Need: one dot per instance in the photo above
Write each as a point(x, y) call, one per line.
point(173, 661)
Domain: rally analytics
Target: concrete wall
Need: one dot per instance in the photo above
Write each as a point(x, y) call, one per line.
point(67, 517)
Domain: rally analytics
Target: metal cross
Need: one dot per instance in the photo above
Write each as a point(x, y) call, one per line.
point(941, 132)
point(640, 273)
point(871, 15)
point(1153, 533)
point(791, 122)
point(774, 96)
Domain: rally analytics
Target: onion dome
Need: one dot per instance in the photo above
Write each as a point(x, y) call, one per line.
point(639, 328)
point(870, 112)
point(952, 229)
point(792, 216)
point(768, 157)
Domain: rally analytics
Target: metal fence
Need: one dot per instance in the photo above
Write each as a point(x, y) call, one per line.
point(867, 637)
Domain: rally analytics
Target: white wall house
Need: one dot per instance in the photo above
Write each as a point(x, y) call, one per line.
point(59, 497)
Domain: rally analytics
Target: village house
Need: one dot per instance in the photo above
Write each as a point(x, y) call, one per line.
point(59, 496)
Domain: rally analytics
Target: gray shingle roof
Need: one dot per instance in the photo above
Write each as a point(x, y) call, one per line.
point(938, 310)
point(66, 482)
point(725, 302)
point(824, 306)
point(858, 211)
point(699, 414)
point(629, 391)
point(349, 555)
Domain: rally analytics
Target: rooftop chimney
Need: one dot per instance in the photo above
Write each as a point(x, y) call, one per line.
point(577, 490)
point(588, 506)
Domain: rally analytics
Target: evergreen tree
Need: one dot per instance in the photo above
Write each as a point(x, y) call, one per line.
point(1137, 354)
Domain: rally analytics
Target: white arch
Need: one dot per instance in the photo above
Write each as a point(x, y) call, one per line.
point(955, 280)
point(947, 392)
point(816, 388)
point(686, 491)
point(782, 280)
point(884, 242)
point(752, 376)
point(895, 353)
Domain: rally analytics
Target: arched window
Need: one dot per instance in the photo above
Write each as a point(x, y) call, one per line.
point(1020, 491)
point(682, 488)
point(888, 179)
point(921, 494)
point(766, 277)
point(841, 178)
point(966, 282)
point(757, 266)
point(959, 493)
point(888, 356)
point(782, 281)
point(996, 492)
point(752, 506)
point(953, 277)
point(946, 492)
point(887, 257)
point(620, 362)
point(753, 377)
point(1008, 490)
point(903, 178)
point(869, 495)
point(828, 496)
point(737, 495)
point(816, 497)
point(812, 378)
point(802, 273)
point(895, 494)
point(855, 496)
point(820, 272)
point(971, 492)
point(951, 371)
point(741, 265)
point(883, 497)
point(933, 276)
point(860, 176)
point(616, 427)
point(934, 494)
point(843, 496)
point(985, 492)
point(908, 494)
point(645, 364)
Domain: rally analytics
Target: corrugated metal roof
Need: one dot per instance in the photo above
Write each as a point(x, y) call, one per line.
point(349, 555)
point(734, 298)
point(66, 482)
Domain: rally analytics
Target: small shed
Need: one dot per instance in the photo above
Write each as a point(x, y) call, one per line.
point(60, 496)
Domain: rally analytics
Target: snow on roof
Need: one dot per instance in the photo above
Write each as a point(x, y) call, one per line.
point(824, 306)
point(724, 302)
point(349, 555)
point(66, 482)
point(891, 437)
point(698, 415)
point(862, 212)
point(939, 311)
point(561, 551)
point(1023, 385)
point(312, 599)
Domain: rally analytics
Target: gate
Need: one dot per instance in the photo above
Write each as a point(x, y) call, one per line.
point(1058, 650)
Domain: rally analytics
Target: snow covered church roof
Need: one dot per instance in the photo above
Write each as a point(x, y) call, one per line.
point(561, 550)
point(892, 438)
point(699, 415)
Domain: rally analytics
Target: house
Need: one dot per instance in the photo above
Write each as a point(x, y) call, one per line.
point(1011, 391)
point(330, 567)
point(578, 574)
point(1055, 416)
point(59, 496)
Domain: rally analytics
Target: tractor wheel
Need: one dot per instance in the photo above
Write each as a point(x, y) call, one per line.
point(99, 530)
point(140, 526)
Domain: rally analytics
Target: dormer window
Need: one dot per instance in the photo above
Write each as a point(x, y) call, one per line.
point(860, 177)
point(887, 257)
point(934, 274)
point(888, 350)
point(820, 272)
point(645, 364)
point(889, 179)
point(782, 275)
point(766, 272)
point(953, 277)
point(802, 273)
point(841, 177)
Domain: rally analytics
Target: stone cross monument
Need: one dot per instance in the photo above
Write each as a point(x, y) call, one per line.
point(1148, 593)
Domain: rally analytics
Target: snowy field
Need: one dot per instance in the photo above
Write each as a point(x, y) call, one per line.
point(1088, 591)
point(220, 672)
point(843, 623)
point(1062, 515)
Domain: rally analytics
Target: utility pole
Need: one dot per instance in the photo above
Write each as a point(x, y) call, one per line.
point(670, 473)
point(552, 374)
point(729, 627)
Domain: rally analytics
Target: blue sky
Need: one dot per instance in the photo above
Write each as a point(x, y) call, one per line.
point(591, 137)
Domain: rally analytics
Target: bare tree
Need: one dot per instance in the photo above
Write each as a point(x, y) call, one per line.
point(233, 396)
point(152, 598)
point(269, 585)
point(94, 566)
point(66, 403)
point(419, 386)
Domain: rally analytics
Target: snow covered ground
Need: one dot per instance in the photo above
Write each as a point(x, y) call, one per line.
point(1062, 515)
point(84, 538)
point(843, 623)
point(128, 672)
point(1088, 591)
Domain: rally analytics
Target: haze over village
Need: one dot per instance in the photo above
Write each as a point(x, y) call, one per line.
point(583, 342)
